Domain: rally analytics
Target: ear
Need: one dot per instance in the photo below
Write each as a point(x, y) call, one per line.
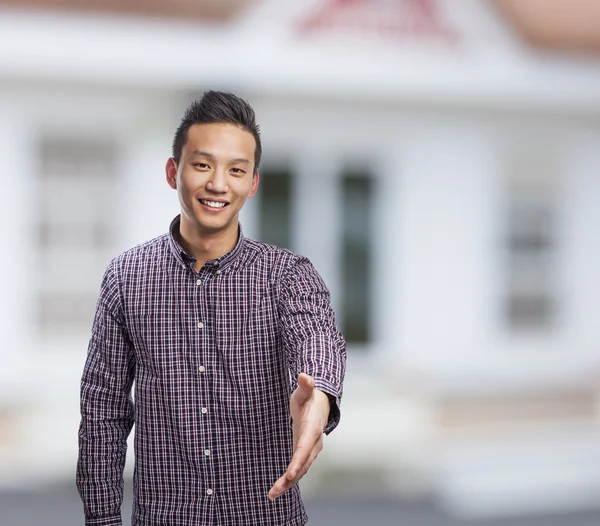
point(171, 173)
point(255, 180)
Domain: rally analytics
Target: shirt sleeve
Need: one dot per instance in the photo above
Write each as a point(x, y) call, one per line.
point(312, 340)
point(106, 409)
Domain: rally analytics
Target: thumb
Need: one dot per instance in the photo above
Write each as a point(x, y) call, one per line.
point(305, 388)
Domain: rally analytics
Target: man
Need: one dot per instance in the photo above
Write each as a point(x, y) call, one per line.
point(215, 331)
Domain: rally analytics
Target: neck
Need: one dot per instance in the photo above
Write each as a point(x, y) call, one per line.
point(206, 246)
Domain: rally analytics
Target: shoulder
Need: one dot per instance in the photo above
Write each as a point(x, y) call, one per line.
point(129, 268)
point(287, 268)
point(274, 258)
point(145, 255)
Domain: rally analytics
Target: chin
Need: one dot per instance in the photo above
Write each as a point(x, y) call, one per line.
point(212, 226)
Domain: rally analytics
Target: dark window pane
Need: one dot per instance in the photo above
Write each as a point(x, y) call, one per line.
point(81, 158)
point(529, 311)
point(65, 313)
point(82, 235)
point(357, 209)
point(77, 195)
point(276, 207)
point(531, 244)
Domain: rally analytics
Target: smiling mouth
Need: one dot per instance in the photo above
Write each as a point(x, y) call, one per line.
point(213, 204)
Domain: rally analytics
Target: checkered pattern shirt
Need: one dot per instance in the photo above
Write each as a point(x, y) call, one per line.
point(203, 363)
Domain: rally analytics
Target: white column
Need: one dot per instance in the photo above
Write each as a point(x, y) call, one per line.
point(580, 247)
point(316, 225)
point(17, 206)
point(148, 204)
point(443, 220)
point(249, 217)
point(387, 256)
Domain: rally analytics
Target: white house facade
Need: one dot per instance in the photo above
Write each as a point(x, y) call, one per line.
point(443, 178)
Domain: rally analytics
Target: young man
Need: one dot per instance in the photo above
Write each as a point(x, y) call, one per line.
point(215, 331)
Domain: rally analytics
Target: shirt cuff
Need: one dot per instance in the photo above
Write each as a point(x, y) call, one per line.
point(114, 520)
point(334, 401)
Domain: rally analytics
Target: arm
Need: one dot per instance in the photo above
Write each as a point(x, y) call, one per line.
point(316, 354)
point(312, 340)
point(106, 410)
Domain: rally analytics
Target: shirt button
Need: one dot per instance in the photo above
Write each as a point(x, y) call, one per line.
point(201, 368)
point(200, 325)
point(204, 410)
point(209, 491)
point(218, 271)
point(199, 282)
point(207, 452)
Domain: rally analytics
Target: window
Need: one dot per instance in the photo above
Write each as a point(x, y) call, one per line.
point(75, 230)
point(532, 245)
point(62, 311)
point(354, 202)
point(356, 259)
point(275, 211)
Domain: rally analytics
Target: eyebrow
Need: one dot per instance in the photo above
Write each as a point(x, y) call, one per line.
point(202, 153)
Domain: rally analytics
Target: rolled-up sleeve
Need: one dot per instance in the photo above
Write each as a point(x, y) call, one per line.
point(106, 409)
point(312, 340)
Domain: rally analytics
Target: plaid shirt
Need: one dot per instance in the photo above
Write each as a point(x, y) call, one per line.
point(214, 356)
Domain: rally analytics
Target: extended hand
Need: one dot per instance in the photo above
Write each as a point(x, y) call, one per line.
point(309, 409)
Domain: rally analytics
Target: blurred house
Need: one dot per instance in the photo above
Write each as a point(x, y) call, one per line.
point(435, 160)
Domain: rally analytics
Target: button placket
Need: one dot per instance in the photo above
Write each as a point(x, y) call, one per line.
point(204, 341)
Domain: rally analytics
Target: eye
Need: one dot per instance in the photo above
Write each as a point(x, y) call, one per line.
point(238, 171)
point(201, 165)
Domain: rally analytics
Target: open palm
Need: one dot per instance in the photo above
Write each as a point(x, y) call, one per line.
point(309, 409)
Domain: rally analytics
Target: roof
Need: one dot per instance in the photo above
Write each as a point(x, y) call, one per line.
point(215, 10)
point(565, 25)
point(413, 51)
point(557, 25)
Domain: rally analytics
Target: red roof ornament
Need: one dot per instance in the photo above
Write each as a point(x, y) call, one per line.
point(401, 19)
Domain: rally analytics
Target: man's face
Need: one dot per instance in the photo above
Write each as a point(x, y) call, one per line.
point(215, 176)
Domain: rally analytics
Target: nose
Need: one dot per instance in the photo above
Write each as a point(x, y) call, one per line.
point(217, 182)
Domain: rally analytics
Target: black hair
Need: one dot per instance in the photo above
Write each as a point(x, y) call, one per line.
point(221, 107)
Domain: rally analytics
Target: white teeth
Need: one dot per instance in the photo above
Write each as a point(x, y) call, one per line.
point(212, 204)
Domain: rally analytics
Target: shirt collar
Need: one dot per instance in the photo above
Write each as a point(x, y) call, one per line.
point(186, 259)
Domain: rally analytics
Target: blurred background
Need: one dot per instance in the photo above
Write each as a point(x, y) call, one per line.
point(438, 161)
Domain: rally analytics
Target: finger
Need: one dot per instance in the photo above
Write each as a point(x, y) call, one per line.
point(278, 488)
point(305, 387)
point(307, 441)
point(306, 379)
point(313, 455)
point(301, 456)
point(283, 483)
